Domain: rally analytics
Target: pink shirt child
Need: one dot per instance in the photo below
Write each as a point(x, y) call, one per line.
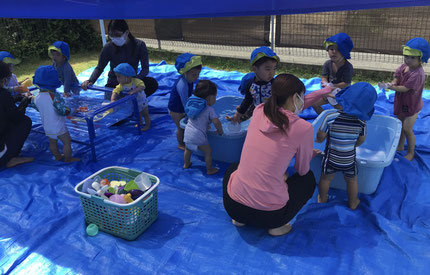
point(409, 103)
point(259, 180)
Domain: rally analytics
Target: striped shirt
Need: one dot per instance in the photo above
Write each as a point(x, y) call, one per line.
point(342, 130)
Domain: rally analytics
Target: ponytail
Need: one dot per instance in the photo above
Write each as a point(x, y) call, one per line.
point(283, 87)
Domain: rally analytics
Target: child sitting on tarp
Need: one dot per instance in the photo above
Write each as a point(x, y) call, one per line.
point(345, 130)
point(125, 74)
point(16, 88)
point(256, 86)
point(53, 112)
point(59, 51)
point(189, 66)
point(200, 114)
point(409, 81)
point(336, 71)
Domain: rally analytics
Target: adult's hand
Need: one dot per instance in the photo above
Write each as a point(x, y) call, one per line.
point(85, 84)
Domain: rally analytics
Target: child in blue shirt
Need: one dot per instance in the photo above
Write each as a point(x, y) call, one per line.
point(59, 51)
point(345, 130)
point(200, 114)
point(256, 86)
point(337, 71)
point(189, 66)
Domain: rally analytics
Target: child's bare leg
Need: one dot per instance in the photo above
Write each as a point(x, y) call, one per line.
point(53, 147)
point(407, 128)
point(208, 159)
point(187, 158)
point(317, 106)
point(67, 147)
point(401, 145)
point(179, 131)
point(145, 115)
point(18, 160)
point(323, 187)
point(352, 190)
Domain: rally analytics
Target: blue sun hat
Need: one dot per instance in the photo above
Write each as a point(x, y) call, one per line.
point(7, 58)
point(186, 62)
point(61, 47)
point(358, 100)
point(417, 47)
point(261, 52)
point(46, 78)
point(125, 69)
point(342, 41)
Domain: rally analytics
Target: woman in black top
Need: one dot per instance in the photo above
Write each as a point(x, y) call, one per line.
point(14, 124)
point(123, 48)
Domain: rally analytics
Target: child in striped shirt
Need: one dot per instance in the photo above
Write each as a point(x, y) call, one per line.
point(345, 130)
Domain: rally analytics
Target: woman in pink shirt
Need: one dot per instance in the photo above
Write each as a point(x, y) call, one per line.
point(257, 191)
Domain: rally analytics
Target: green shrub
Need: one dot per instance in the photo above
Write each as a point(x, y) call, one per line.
point(30, 38)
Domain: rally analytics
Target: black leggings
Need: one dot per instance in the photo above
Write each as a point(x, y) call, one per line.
point(300, 190)
point(15, 139)
point(151, 85)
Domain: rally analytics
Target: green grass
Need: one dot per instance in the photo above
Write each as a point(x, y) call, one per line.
point(82, 61)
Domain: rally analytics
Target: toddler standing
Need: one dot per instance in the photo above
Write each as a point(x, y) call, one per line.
point(59, 51)
point(53, 110)
point(345, 130)
point(200, 114)
point(409, 80)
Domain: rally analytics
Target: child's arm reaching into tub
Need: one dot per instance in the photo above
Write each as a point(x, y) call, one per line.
point(321, 136)
point(218, 126)
point(360, 140)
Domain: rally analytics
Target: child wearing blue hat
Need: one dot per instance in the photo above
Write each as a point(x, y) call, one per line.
point(189, 66)
point(200, 114)
point(125, 74)
point(256, 86)
point(15, 87)
point(53, 112)
point(345, 130)
point(337, 71)
point(59, 51)
point(409, 81)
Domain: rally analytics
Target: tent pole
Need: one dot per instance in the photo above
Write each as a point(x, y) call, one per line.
point(272, 32)
point(102, 31)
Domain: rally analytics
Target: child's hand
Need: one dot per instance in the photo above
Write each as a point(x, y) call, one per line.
point(67, 95)
point(85, 84)
point(20, 89)
point(383, 85)
point(220, 132)
point(236, 118)
point(316, 152)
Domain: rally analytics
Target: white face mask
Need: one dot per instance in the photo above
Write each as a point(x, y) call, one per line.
point(298, 110)
point(119, 41)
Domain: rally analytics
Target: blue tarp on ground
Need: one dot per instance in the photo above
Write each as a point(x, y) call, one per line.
point(43, 229)
point(128, 9)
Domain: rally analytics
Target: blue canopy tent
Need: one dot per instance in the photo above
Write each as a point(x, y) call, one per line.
point(42, 223)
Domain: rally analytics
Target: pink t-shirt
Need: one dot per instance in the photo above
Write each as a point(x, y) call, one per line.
point(259, 180)
point(409, 103)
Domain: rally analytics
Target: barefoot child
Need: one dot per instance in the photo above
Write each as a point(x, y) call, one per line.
point(409, 80)
point(200, 114)
point(345, 130)
point(53, 110)
point(189, 66)
point(125, 75)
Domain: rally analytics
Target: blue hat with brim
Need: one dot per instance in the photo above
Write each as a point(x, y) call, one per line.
point(186, 62)
point(125, 69)
point(418, 44)
point(7, 58)
point(61, 47)
point(343, 42)
point(358, 100)
point(261, 52)
point(46, 78)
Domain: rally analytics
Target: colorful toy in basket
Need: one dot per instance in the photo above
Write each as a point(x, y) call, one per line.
point(128, 220)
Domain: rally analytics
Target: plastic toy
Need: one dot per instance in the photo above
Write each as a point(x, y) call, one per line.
point(118, 199)
point(131, 185)
point(143, 182)
point(136, 193)
point(98, 190)
point(127, 198)
point(92, 229)
point(27, 83)
point(104, 182)
point(87, 184)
